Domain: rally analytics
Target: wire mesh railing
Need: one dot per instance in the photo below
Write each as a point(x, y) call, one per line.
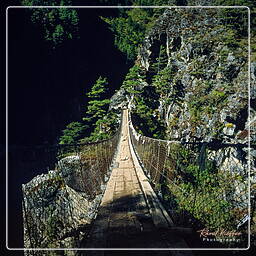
point(59, 206)
point(202, 185)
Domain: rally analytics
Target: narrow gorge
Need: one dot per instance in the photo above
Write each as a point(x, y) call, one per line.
point(191, 120)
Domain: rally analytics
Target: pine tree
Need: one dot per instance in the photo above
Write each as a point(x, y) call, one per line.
point(132, 24)
point(98, 105)
point(146, 114)
point(161, 61)
point(57, 25)
point(73, 133)
point(145, 100)
point(162, 81)
point(105, 127)
point(134, 79)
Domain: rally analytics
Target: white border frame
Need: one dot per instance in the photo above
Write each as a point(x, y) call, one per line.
point(249, 119)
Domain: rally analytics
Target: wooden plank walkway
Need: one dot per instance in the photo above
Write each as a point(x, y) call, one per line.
point(130, 215)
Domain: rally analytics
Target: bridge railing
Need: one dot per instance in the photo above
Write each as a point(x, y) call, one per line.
point(62, 202)
point(202, 185)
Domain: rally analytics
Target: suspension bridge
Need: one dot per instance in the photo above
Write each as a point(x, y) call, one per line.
point(130, 214)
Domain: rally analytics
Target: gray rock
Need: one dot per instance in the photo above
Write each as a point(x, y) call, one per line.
point(56, 206)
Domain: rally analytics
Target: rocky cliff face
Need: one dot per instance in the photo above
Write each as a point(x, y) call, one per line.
point(58, 208)
point(209, 70)
point(205, 97)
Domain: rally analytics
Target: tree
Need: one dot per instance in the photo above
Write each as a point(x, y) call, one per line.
point(128, 34)
point(98, 116)
point(146, 115)
point(235, 18)
point(161, 61)
point(73, 133)
point(105, 127)
point(98, 104)
point(145, 101)
point(98, 123)
point(57, 24)
point(133, 80)
point(132, 25)
point(163, 81)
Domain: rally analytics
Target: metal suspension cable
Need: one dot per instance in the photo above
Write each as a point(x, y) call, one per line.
point(198, 191)
point(88, 166)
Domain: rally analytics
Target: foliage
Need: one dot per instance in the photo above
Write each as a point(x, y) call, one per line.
point(98, 122)
point(128, 33)
point(229, 38)
point(97, 106)
point(237, 19)
point(145, 113)
point(145, 100)
point(161, 61)
point(57, 24)
point(73, 133)
point(205, 99)
point(199, 188)
point(104, 127)
point(132, 25)
point(134, 78)
point(165, 85)
point(229, 125)
point(98, 117)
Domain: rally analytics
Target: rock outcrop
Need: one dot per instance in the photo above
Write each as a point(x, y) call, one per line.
point(210, 70)
point(207, 95)
point(57, 208)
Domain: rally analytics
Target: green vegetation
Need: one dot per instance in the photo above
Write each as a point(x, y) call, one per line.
point(146, 115)
point(204, 101)
point(237, 19)
point(160, 62)
point(98, 123)
point(73, 133)
point(145, 101)
point(97, 116)
point(98, 105)
point(132, 25)
point(104, 127)
point(166, 85)
point(133, 80)
point(194, 186)
point(128, 33)
point(57, 24)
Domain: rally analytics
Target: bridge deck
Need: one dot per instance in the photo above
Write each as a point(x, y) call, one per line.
point(130, 215)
